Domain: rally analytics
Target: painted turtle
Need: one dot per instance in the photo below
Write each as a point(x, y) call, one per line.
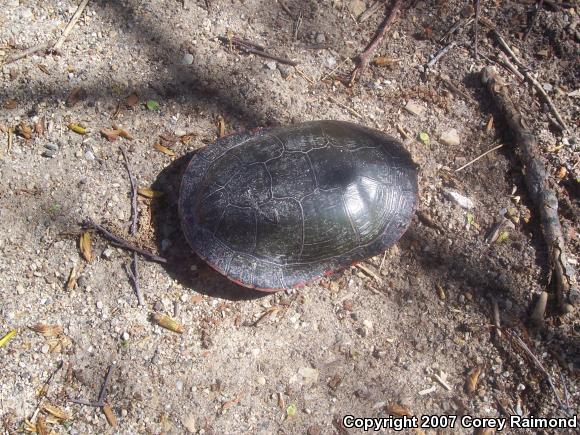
point(279, 207)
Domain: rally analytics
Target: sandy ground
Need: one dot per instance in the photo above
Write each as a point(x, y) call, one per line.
point(292, 362)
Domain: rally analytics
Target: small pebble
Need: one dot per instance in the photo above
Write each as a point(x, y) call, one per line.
point(271, 65)
point(414, 108)
point(51, 146)
point(49, 153)
point(320, 38)
point(107, 253)
point(450, 138)
point(261, 380)
point(125, 336)
point(45, 348)
point(89, 155)
point(99, 305)
point(187, 59)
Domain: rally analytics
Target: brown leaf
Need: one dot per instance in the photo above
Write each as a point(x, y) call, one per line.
point(221, 126)
point(167, 322)
point(110, 135)
point(43, 68)
point(47, 330)
point(164, 149)
point(472, 380)
point(132, 100)
point(110, 415)
point(76, 94)
point(24, 130)
point(71, 282)
point(187, 137)
point(489, 125)
point(41, 425)
point(39, 127)
point(398, 410)
point(149, 193)
point(385, 61)
point(55, 412)
point(86, 246)
point(124, 134)
point(562, 172)
point(10, 104)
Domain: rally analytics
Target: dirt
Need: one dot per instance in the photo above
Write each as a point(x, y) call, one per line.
point(295, 361)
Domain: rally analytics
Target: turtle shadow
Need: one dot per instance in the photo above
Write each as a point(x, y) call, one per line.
point(183, 264)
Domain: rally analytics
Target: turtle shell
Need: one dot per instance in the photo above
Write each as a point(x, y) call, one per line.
point(279, 207)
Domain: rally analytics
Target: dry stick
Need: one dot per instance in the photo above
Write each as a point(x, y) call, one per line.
point(121, 243)
point(534, 82)
point(100, 402)
point(248, 47)
point(70, 25)
point(133, 276)
point(539, 6)
point(349, 109)
point(479, 157)
point(371, 11)
point(542, 195)
point(517, 339)
point(496, 316)
point(476, 30)
point(456, 26)
point(29, 51)
point(234, 40)
point(440, 54)
point(363, 59)
point(44, 389)
point(504, 60)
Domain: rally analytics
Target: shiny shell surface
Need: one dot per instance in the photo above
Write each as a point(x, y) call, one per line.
point(279, 207)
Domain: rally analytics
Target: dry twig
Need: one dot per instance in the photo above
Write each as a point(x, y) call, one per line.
point(70, 25)
point(100, 402)
point(542, 195)
point(479, 157)
point(532, 80)
point(121, 243)
point(29, 51)
point(363, 59)
point(439, 55)
point(250, 47)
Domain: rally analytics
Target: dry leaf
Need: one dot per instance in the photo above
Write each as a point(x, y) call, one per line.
point(56, 412)
point(132, 100)
point(124, 134)
point(149, 193)
point(76, 94)
point(110, 135)
point(77, 128)
point(110, 415)
point(187, 137)
point(167, 323)
point(385, 61)
point(39, 127)
point(24, 130)
point(221, 126)
point(562, 172)
point(71, 282)
point(164, 150)
point(10, 104)
point(43, 68)
point(489, 125)
point(440, 292)
point(196, 298)
point(47, 330)
point(398, 410)
point(86, 246)
point(41, 425)
point(472, 379)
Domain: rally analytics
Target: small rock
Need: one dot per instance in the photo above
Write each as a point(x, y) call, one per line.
point(125, 336)
point(261, 380)
point(320, 38)
point(368, 324)
point(158, 306)
point(89, 155)
point(107, 253)
point(450, 138)
point(49, 153)
point(331, 62)
point(99, 305)
point(459, 199)
point(309, 375)
point(363, 332)
point(285, 70)
point(45, 348)
point(179, 385)
point(187, 59)
point(414, 108)
point(51, 146)
point(189, 423)
point(356, 7)
point(548, 87)
point(271, 65)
